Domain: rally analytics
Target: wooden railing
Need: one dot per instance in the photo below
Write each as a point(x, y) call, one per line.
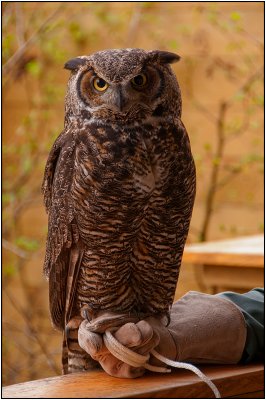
point(239, 381)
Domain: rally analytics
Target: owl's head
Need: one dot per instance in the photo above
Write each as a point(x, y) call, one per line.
point(124, 84)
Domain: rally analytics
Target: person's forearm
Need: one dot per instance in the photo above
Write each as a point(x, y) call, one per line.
point(207, 328)
point(251, 304)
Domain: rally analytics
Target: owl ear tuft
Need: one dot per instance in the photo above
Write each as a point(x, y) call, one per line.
point(166, 57)
point(75, 63)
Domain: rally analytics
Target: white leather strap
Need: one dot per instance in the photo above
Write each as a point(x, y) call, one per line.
point(137, 360)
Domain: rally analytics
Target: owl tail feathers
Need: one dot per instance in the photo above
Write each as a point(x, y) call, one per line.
point(64, 356)
point(74, 358)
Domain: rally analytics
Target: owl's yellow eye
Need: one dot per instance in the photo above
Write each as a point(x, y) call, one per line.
point(139, 80)
point(100, 84)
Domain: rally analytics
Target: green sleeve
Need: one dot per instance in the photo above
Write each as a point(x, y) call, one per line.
point(251, 304)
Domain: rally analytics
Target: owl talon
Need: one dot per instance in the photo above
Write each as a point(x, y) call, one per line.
point(88, 312)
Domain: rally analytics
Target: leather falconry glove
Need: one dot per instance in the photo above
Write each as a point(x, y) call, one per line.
point(203, 329)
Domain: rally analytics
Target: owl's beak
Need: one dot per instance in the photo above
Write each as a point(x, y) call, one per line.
point(119, 100)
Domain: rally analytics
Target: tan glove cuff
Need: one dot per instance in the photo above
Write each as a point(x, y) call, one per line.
point(207, 329)
point(166, 346)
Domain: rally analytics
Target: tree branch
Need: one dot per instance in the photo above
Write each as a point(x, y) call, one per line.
point(15, 249)
point(211, 117)
point(11, 62)
point(220, 122)
point(246, 86)
point(215, 172)
point(133, 25)
point(19, 24)
point(34, 333)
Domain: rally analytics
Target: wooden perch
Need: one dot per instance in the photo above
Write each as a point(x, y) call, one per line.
point(239, 381)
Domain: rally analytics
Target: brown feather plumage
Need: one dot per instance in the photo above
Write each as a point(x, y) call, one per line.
point(119, 189)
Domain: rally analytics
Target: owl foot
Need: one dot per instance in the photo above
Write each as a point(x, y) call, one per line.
point(87, 312)
point(109, 320)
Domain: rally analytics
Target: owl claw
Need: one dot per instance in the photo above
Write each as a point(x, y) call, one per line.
point(88, 312)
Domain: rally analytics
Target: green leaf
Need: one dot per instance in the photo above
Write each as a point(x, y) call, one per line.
point(147, 4)
point(212, 17)
point(173, 44)
point(9, 270)
point(240, 95)
point(27, 244)
point(27, 164)
point(77, 34)
point(34, 67)
point(7, 198)
point(235, 16)
point(216, 160)
point(52, 49)
point(259, 100)
point(9, 149)
point(254, 125)
point(261, 227)
point(222, 227)
point(7, 43)
point(252, 158)
point(207, 146)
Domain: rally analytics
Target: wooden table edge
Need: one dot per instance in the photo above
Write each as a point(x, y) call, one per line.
point(230, 380)
point(223, 259)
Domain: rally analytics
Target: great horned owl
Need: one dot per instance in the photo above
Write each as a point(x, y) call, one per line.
point(119, 188)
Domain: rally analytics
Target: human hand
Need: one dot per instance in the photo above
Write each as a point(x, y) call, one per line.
point(140, 337)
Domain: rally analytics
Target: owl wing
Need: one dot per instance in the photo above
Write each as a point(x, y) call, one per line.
point(63, 248)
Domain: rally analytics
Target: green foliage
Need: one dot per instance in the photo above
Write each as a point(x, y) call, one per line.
point(77, 34)
point(105, 15)
point(212, 16)
point(207, 147)
point(53, 51)
point(259, 100)
point(148, 5)
point(235, 16)
point(261, 227)
point(222, 228)
point(9, 270)
point(7, 198)
point(251, 158)
point(239, 96)
point(26, 243)
point(7, 46)
point(173, 45)
point(216, 161)
point(34, 68)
